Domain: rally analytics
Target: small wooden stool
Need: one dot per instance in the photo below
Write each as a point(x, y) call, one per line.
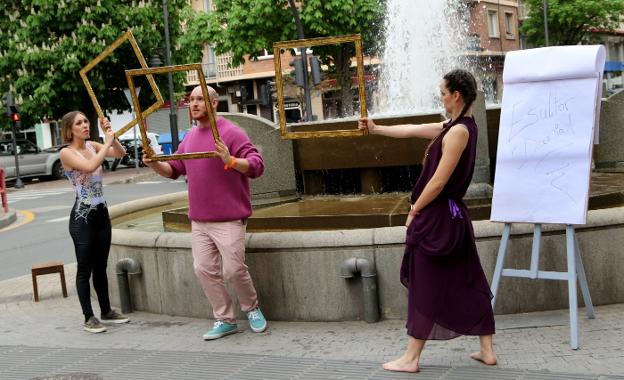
point(47, 268)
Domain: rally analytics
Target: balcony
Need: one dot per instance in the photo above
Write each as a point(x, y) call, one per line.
point(218, 71)
point(473, 43)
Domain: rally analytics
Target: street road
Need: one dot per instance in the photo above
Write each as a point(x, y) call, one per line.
point(41, 232)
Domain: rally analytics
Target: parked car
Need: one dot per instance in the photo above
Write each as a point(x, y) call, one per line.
point(152, 138)
point(127, 141)
point(33, 162)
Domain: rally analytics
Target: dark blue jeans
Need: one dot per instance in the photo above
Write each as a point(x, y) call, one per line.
point(91, 233)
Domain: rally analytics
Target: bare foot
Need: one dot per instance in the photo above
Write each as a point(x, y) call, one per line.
point(489, 358)
point(401, 365)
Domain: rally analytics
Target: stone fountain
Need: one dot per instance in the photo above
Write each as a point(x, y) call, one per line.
point(297, 240)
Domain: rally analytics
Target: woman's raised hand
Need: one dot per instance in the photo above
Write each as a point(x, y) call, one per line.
point(367, 124)
point(109, 135)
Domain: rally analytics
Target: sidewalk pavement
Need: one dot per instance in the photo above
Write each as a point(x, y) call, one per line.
point(45, 340)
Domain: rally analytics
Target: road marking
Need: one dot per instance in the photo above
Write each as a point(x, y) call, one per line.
point(13, 197)
point(150, 182)
point(44, 209)
point(27, 216)
point(30, 192)
point(61, 219)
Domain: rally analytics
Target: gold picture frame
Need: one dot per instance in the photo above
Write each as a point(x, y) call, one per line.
point(149, 153)
point(127, 36)
point(309, 42)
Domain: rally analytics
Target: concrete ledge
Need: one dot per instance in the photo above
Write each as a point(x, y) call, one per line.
point(146, 204)
point(296, 273)
point(132, 179)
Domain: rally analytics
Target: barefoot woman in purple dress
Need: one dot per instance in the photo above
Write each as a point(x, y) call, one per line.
point(448, 293)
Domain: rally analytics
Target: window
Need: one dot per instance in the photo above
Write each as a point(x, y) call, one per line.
point(493, 24)
point(308, 51)
point(613, 51)
point(6, 149)
point(208, 7)
point(210, 69)
point(509, 25)
point(26, 147)
point(490, 86)
point(265, 54)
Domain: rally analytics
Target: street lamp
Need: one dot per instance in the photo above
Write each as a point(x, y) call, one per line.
point(546, 22)
point(136, 148)
point(173, 118)
point(304, 61)
point(13, 113)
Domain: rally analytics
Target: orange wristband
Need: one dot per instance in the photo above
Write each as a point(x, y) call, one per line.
point(230, 164)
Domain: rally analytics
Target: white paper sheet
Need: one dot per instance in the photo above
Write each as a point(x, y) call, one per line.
point(548, 118)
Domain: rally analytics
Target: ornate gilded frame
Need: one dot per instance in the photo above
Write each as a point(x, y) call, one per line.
point(309, 42)
point(130, 74)
point(127, 36)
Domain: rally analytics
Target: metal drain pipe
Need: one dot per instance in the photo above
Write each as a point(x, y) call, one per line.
point(354, 266)
point(123, 268)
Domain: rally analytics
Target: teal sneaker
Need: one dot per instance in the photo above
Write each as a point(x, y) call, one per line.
point(257, 322)
point(220, 329)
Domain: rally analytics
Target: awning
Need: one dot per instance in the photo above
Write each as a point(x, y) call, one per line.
point(614, 66)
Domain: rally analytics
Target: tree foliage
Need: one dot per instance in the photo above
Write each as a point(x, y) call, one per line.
point(246, 27)
point(44, 44)
point(570, 21)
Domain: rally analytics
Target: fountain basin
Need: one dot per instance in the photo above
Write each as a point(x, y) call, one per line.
point(296, 273)
point(326, 213)
point(346, 212)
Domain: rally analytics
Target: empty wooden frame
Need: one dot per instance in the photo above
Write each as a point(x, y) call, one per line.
point(127, 36)
point(305, 43)
point(130, 74)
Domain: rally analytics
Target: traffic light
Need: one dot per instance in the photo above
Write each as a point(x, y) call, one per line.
point(264, 95)
point(11, 107)
point(315, 66)
point(244, 93)
point(267, 93)
point(297, 63)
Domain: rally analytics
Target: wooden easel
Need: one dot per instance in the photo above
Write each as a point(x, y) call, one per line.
point(575, 268)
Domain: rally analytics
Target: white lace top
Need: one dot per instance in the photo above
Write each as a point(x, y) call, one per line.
point(88, 187)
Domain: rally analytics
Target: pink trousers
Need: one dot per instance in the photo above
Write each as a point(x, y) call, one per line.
point(217, 244)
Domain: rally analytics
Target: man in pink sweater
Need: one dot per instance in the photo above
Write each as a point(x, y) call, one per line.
point(219, 205)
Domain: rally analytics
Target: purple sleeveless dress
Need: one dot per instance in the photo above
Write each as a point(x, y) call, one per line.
point(448, 293)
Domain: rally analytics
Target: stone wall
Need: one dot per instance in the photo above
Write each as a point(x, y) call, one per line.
point(609, 153)
point(279, 166)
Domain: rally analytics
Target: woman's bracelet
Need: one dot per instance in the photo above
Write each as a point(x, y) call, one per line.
point(413, 211)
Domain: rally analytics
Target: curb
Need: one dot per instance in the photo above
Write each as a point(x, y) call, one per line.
point(134, 178)
point(7, 218)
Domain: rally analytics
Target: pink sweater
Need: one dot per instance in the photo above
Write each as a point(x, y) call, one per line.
point(215, 194)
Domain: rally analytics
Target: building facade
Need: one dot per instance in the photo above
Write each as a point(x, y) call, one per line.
point(493, 29)
point(614, 66)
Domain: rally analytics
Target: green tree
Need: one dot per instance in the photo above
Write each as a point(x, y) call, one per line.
point(246, 27)
point(44, 44)
point(570, 21)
